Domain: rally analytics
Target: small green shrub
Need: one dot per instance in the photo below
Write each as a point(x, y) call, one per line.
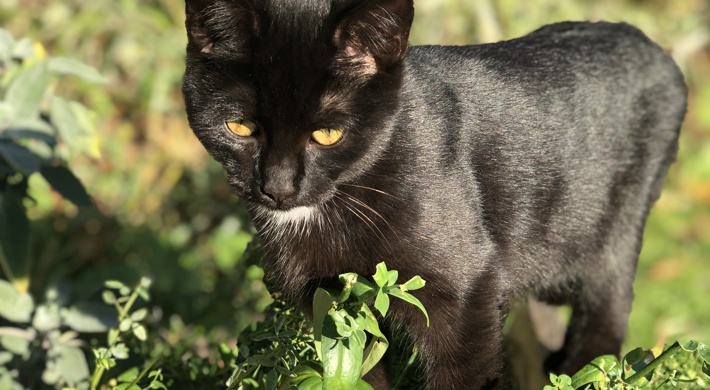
point(336, 351)
point(40, 336)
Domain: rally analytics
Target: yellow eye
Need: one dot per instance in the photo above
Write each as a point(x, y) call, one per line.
point(240, 127)
point(327, 137)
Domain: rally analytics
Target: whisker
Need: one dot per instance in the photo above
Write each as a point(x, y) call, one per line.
point(354, 203)
point(371, 189)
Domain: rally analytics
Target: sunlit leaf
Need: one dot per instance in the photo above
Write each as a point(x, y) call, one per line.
point(129, 375)
point(15, 344)
point(15, 306)
point(381, 275)
point(27, 89)
point(74, 67)
point(46, 318)
point(414, 283)
point(140, 332)
point(342, 359)
point(595, 371)
point(382, 302)
point(87, 317)
point(312, 383)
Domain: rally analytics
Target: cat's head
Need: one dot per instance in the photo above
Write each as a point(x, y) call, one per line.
point(294, 97)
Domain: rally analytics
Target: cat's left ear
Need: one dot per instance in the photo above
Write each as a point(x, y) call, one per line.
point(376, 33)
point(220, 28)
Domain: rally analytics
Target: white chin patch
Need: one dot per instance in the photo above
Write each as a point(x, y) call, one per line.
point(294, 216)
point(297, 220)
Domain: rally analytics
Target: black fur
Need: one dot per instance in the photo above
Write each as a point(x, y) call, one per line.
point(493, 171)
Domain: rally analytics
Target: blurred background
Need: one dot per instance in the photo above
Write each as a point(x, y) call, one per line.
point(163, 208)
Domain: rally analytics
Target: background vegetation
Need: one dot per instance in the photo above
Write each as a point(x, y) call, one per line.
point(163, 209)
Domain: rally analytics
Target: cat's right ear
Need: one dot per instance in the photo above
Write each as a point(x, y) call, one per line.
point(375, 33)
point(220, 28)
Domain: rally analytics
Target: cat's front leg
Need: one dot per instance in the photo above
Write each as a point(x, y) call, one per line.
point(463, 347)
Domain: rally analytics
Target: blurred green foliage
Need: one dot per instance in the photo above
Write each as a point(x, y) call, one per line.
point(164, 210)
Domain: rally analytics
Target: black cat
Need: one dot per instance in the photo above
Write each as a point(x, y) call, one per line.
point(493, 171)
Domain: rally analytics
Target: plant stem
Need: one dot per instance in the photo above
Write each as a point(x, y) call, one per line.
point(145, 371)
point(655, 363)
point(96, 378)
point(131, 300)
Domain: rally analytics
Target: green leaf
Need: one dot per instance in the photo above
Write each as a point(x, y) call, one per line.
point(120, 351)
point(260, 360)
point(595, 371)
point(139, 315)
point(15, 240)
point(71, 363)
point(19, 158)
point(5, 357)
point(307, 370)
point(27, 89)
point(64, 182)
point(704, 351)
point(108, 297)
point(414, 283)
point(140, 332)
point(409, 298)
point(342, 359)
point(392, 277)
point(342, 327)
point(689, 345)
point(272, 380)
point(371, 325)
point(312, 383)
point(363, 290)
point(129, 375)
point(382, 302)
point(74, 67)
point(46, 318)
point(88, 317)
point(18, 345)
point(125, 325)
point(7, 41)
point(115, 284)
point(15, 306)
point(323, 301)
point(73, 122)
point(381, 276)
point(373, 354)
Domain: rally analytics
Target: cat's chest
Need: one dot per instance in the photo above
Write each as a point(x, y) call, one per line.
point(308, 243)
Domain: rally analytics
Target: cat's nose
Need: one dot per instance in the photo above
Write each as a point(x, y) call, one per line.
point(279, 191)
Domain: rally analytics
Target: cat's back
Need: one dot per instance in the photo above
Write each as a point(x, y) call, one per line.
point(582, 82)
point(559, 61)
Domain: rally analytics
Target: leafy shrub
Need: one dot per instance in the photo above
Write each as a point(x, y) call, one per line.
point(38, 130)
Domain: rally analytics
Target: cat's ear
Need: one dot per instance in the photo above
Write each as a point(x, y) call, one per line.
point(216, 27)
point(376, 33)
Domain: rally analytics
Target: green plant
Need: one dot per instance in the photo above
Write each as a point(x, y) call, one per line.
point(638, 369)
point(129, 324)
point(38, 131)
point(337, 353)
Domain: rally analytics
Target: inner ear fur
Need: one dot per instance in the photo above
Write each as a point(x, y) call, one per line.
point(220, 28)
point(376, 33)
